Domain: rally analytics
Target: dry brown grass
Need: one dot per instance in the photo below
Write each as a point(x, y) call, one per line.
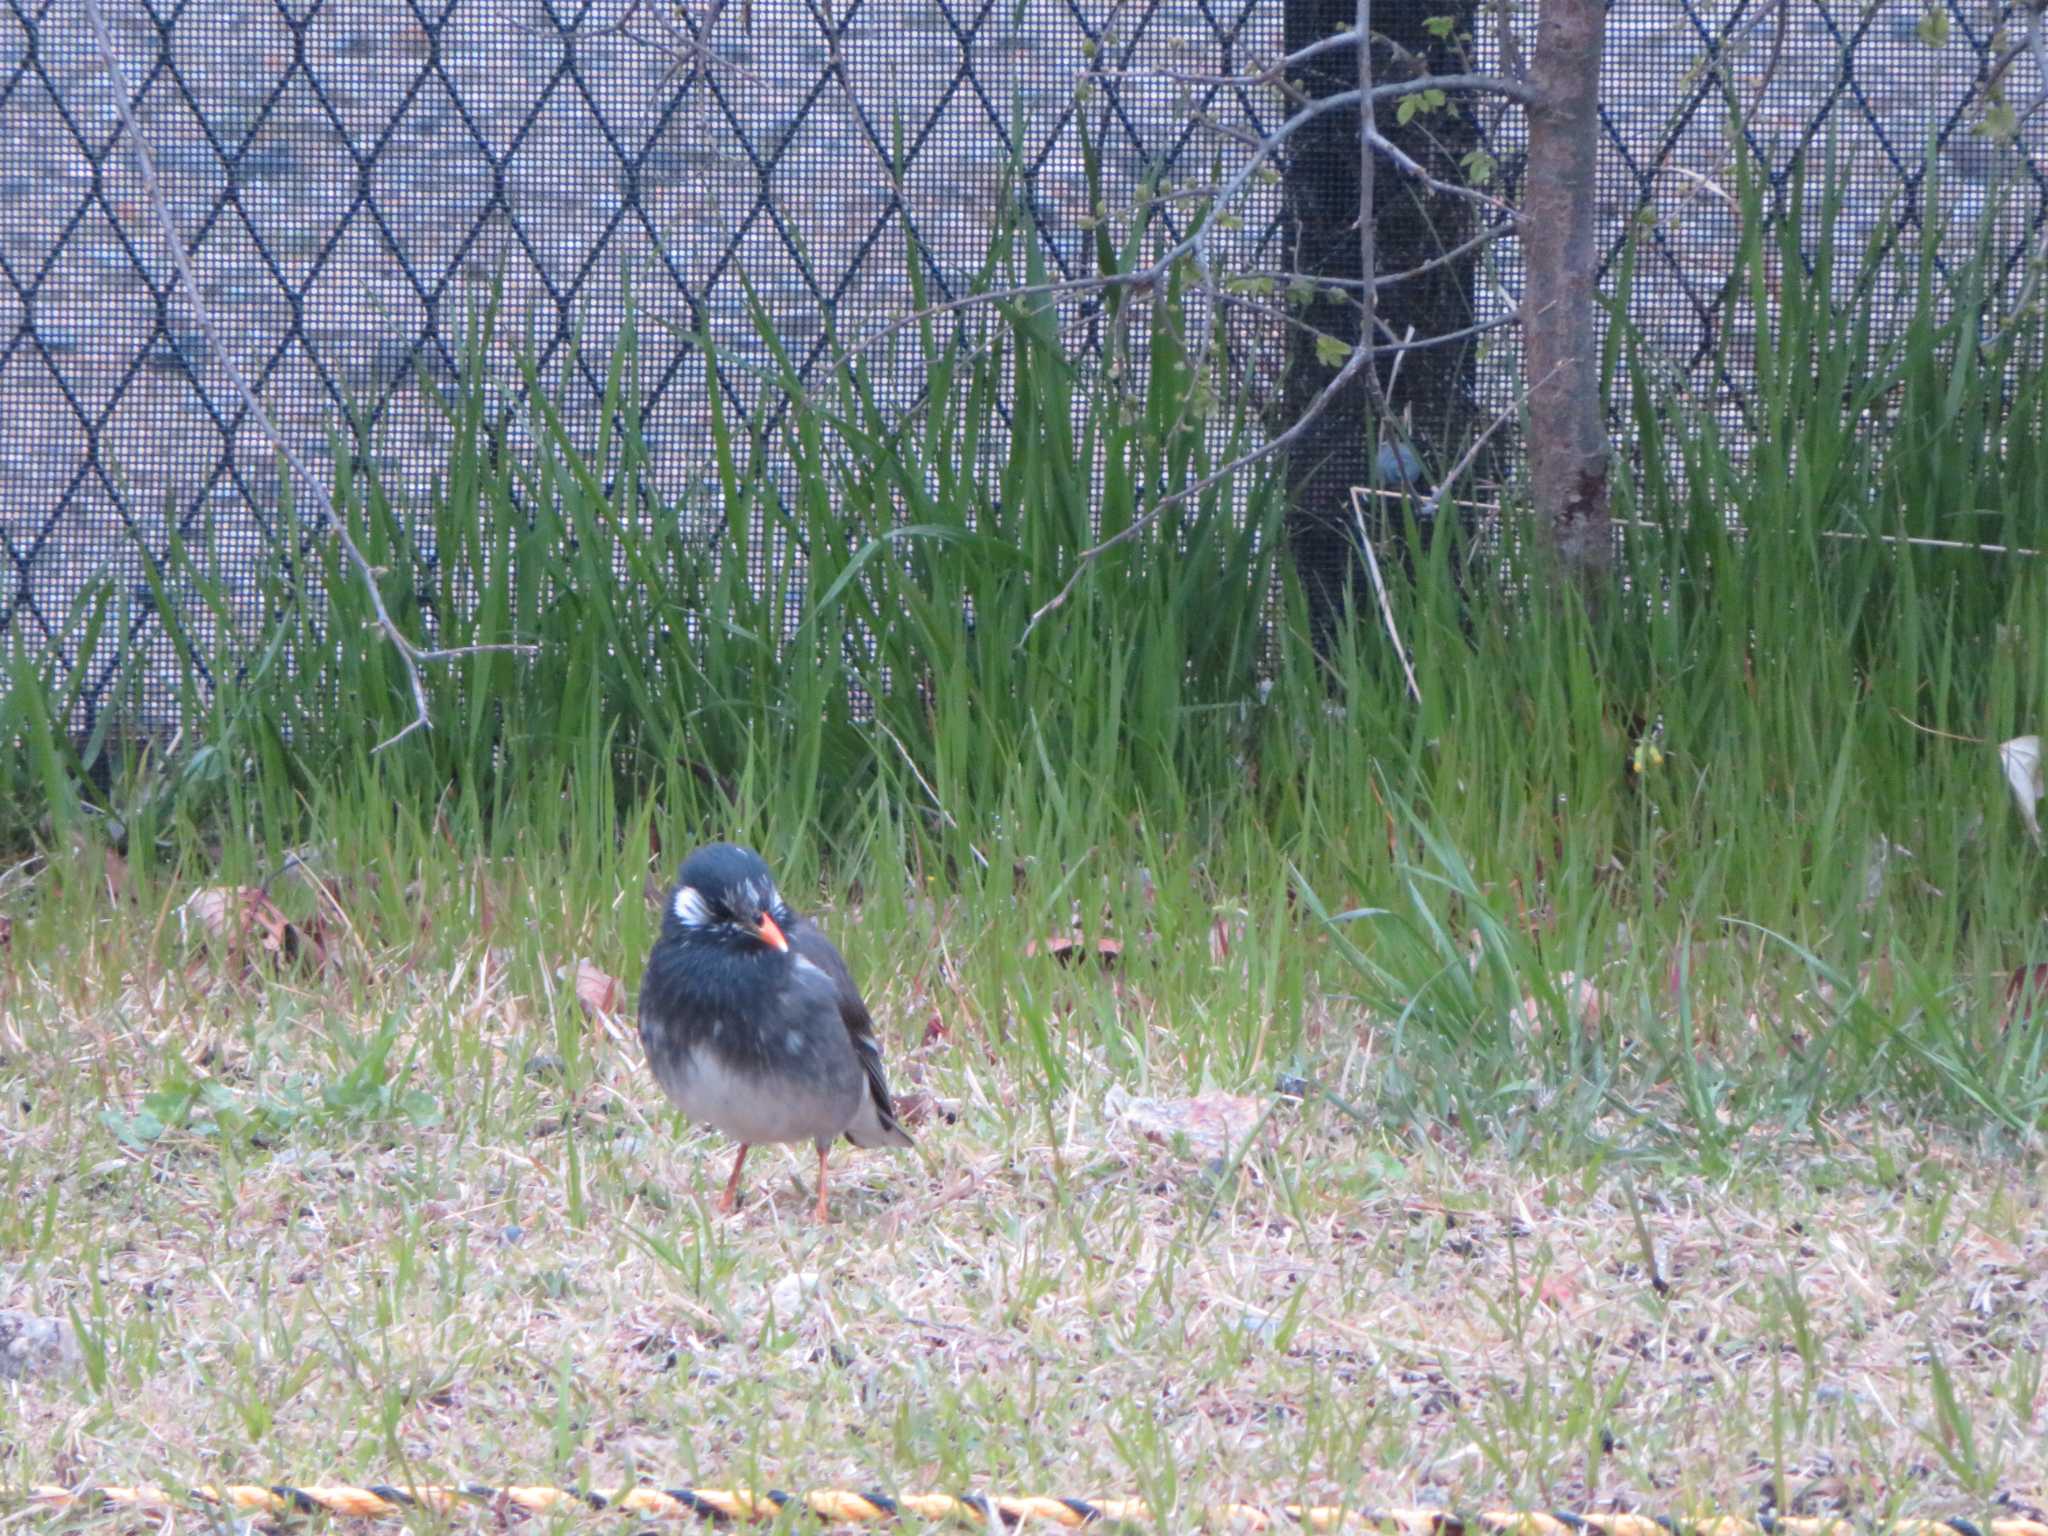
point(520, 1280)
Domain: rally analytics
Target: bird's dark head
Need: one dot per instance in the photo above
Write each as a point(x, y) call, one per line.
point(725, 895)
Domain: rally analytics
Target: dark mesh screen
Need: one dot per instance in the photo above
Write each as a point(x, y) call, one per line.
point(352, 174)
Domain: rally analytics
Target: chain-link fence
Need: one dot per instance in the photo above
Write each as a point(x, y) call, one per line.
point(352, 176)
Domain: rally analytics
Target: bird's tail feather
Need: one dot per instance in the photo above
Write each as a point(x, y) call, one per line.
point(876, 1127)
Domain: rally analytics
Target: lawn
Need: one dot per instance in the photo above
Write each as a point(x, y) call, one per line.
point(1601, 1068)
point(403, 1209)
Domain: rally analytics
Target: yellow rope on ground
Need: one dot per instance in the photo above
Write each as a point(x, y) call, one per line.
point(843, 1506)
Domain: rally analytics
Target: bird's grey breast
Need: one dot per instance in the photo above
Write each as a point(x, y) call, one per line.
point(776, 1066)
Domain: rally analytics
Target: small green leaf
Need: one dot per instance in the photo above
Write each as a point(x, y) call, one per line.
point(1440, 27)
point(1933, 28)
point(136, 1130)
point(420, 1108)
point(1301, 291)
point(1479, 167)
point(1405, 113)
point(1331, 351)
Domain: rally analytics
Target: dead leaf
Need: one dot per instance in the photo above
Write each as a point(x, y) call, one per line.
point(1069, 950)
point(238, 914)
point(273, 925)
point(1219, 940)
point(1582, 1001)
point(1213, 1124)
point(1555, 1289)
point(598, 992)
point(934, 1029)
point(208, 909)
point(915, 1107)
point(2021, 759)
point(2026, 992)
point(117, 878)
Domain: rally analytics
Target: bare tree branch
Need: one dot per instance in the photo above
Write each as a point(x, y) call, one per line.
point(1499, 85)
point(1493, 85)
point(1414, 343)
point(1368, 259)
point(1379, 587)
point(1434, 500)
point(1486, 236)
point(1410, 168)
point(1265, 75)
point(1195, 244)
point(1279, 443)
point(410, 655)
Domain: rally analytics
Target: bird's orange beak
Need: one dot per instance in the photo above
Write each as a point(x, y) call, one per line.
point(769, 933)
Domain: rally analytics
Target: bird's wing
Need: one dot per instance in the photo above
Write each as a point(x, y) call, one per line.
point(809, 944)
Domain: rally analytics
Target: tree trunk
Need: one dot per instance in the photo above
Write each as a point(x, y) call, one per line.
point(1413, 224)
point(1567, 446)
point(1410, 225)
point(1321, 203)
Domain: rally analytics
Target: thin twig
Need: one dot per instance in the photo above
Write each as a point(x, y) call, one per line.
point(2037, 45)
point(1196, 243)
point(937, 804)
point(1486, 236)
point(1154, 274)
point(409, 654)
point(1362, 356)
point(1379, 587)
point(1413, 343)
point(1266, 74)
point(1368, 220)
point(1431, 503)
point(1279, 443)
point(1412, 169)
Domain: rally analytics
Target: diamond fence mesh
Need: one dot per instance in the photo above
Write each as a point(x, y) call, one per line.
point(353, 176)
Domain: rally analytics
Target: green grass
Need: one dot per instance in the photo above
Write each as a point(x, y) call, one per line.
point(399, 1203)
point(835, 661)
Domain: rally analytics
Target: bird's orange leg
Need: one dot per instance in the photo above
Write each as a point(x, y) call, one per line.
point(821, 1213)
point(729, 1201)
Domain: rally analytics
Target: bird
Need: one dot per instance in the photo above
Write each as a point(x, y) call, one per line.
point(752, 1022)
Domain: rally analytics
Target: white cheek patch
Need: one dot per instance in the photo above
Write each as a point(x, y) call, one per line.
point(691, 909)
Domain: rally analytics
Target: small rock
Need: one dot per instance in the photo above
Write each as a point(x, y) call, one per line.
point(1263, 1326)
point(789, 1294)
point(1211, 1125)
point(33, 1346)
